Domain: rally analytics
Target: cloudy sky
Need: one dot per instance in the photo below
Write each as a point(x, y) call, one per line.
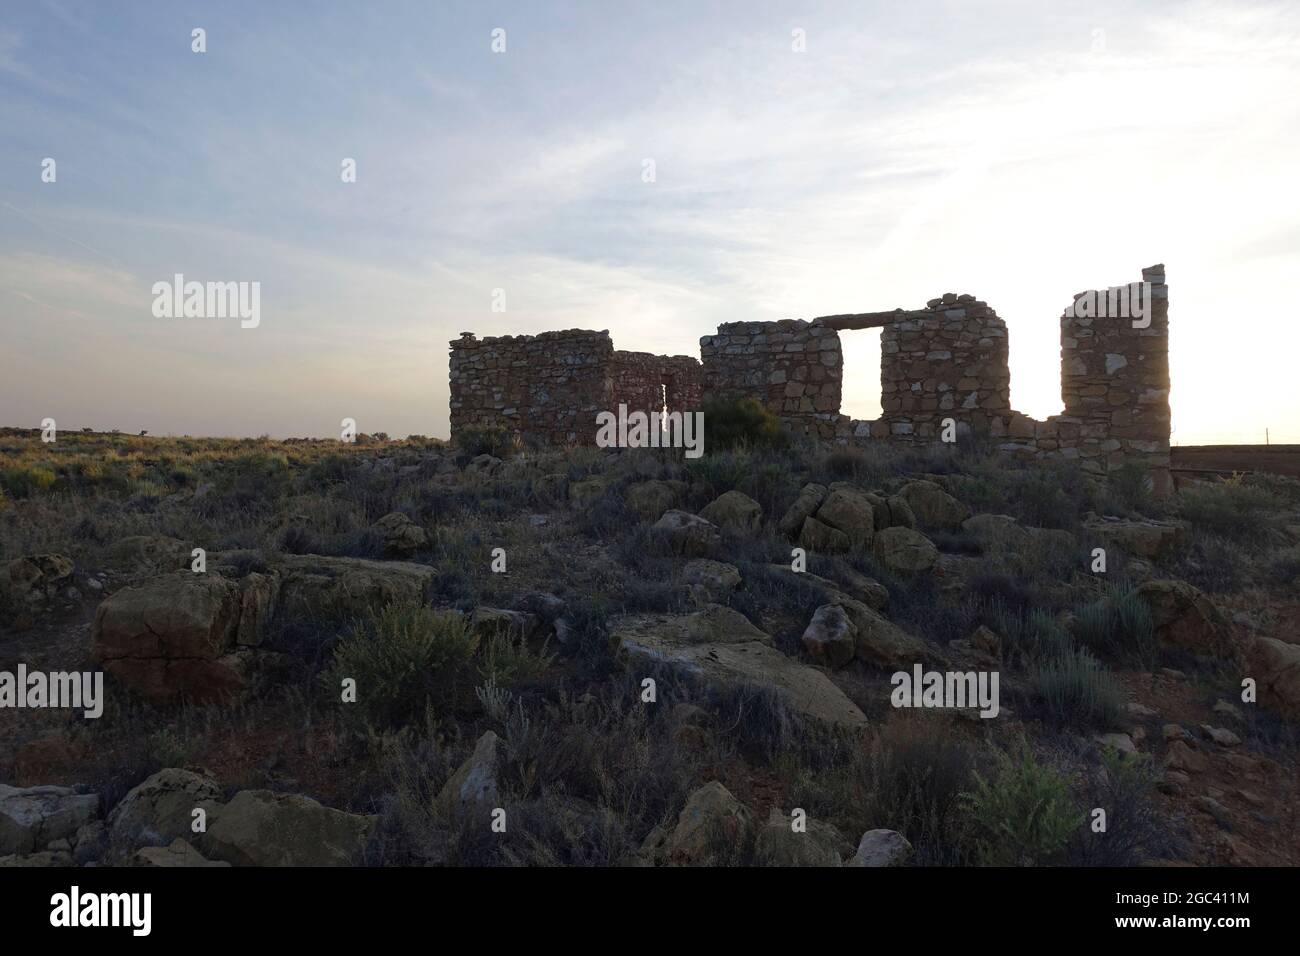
point(1019, 151)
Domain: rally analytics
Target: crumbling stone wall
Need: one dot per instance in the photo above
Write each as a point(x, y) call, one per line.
point(794, 367)
point(547, 387)
point(948, 360)
point(647, 382)
point(550, 387)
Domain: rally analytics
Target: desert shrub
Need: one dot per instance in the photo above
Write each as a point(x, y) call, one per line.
point(1136, 828)
point(257, 478)
point(846, 464)
point(26, 481)
point(1214, 564)
point(720, 471)
point(1021, 815)
point(1075, 691)
point(910, 779)
point(1118, 627)
point(732, 422)
point(495, 440)
point(1028, 636)
point(405, 659)
point(1231, 509)
point(1284, 569)
point(507, 659)
point(1128, 489)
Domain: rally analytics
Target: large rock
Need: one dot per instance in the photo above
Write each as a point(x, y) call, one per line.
point(1185, 619)
point(707, 581)
point(995, 532)
point(172, 637)
point(161, 809)
point(473, 788)
point(905, 550)
point(818, 537)
point(830, 637)
point(848, 511)
point(687, 534)
point(721, 651)
point(178, 853)
point(818, 844)
point(1141, 538)
point(881, 848)
point(316, 586)
point(401, 536)
point(650, 499)
point(881, 643)
point(804, 507)
point(1275, 665)
point(37, 577)
point(34, 817)
point(735, 510)
point(712, 820)
point(891, 511)
point(261, 828)
point(933, 506)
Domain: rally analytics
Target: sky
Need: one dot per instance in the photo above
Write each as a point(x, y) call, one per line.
point(1019, 151)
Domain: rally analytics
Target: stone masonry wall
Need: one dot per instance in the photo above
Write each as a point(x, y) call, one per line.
point(548, 386)
point(551, 386)
point(794, 367)
point(947, 361)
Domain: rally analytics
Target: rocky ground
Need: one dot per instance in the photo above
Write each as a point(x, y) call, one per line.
point(409, 653)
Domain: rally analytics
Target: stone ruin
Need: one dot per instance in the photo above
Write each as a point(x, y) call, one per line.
point(947, 361)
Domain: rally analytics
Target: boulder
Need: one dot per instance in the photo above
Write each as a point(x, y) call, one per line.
point(818, 537)
point(172, 637)
point(650, 499)
point(708, 581)
point(259, 596)
point(31, 818)
point(313, 585)
point(1275, 665)
point(161, 808)
point(904, 550)
point(805, 506)
point(485, 465)
point(489, 621)
point(687, 534)
point(848, 511)
point(933, 507)
point(178, 853)
point(995, 532)
point(712, 820)
point(879, 848)
point(830, 637)
point(401, 536)
point(881, 643)
point(1140, 538)
point(735, 510)
point(261, 828)
point(473, 788)
point(818, 844)
point(37, 578)
point(862, 588)
point(732, 659)
point(1185, 619)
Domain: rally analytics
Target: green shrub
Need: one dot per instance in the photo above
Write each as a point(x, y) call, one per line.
point(495, 440)
point(733, 422)
point(1137, 829)
point(405, 660)
point(23, 482)
point(911, 779)
point(1118, 627)
point(507, 659)
point(1076, 691)
point(1231, 509)
point(1022, 815)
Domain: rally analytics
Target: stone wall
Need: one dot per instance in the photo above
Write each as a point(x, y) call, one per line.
point(948, 360)
point(550, 387)
point(794, 367)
